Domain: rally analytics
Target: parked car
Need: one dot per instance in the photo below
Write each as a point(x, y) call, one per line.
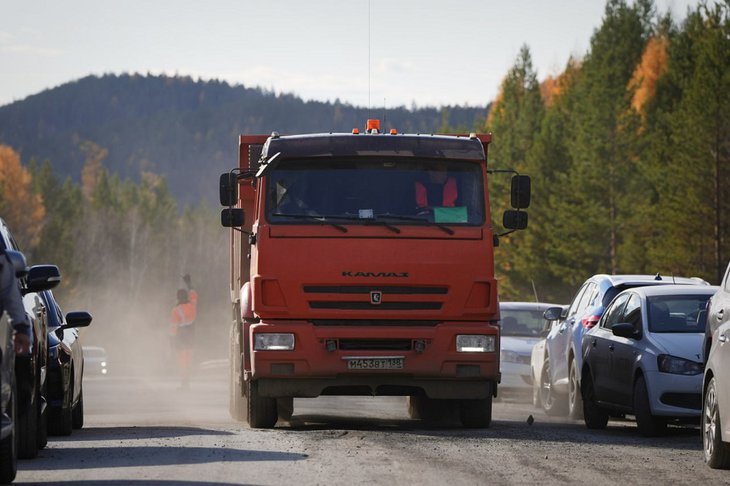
point(65, 367)
point(521, 325)
point(560, 379)
point(644, 358)
point(537, 360)
point(30, 371)
point(95, 360)
point(8, 390)
point(716, 383)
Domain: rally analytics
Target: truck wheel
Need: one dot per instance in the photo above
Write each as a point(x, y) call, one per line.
point(237, 402)
point(648, 425)
point(77, 412)
point(430, 409)
point(716, 452)
point(262, 412)
point(594, 416)
point(575, 401)
point(8, 449)
point(476, 413)
point(552, 403)
point(27, 429)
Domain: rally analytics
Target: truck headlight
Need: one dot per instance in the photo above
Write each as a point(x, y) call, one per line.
point(475, 343)
point(273, 342)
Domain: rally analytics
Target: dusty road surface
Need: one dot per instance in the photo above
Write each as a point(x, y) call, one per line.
point(144, 431)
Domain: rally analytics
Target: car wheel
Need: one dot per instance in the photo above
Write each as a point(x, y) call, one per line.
point(262, 413)
point(476, 414)
point(60, 421)
point(594, 416)
point(552, 403)
point(8, 446)
point(536, 394)
point(575, 401)
point(42, 419)
point(648, 425)
point(716, 452)
point(77, 412)
point(27, 428)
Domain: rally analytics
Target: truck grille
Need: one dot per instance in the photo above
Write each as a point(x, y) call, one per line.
point(365, 302)
point(374, 344)
point(371, 323)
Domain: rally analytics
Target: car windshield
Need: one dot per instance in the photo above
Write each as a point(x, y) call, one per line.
point(677, 313)
point(522, 322)
point(388, 192)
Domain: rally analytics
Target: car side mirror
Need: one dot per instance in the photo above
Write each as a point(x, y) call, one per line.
point(228, 193)
point(625, 330)
point(552, 313)
point(77, 319)
point(521, 188)
point(232, 217)
point(20, 266)
point(514, 220)
point(42, 277)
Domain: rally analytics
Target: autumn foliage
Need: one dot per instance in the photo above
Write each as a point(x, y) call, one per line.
point(19, 206)
point(653, 65)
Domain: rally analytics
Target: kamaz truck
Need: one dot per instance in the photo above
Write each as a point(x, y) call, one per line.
point(362, 263)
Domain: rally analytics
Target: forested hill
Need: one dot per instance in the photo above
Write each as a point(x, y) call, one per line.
point(183, 129)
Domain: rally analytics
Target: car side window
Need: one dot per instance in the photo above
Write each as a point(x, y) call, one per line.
point(578, 297)
point(614, 312)
point(632, 312)
point(587, 298)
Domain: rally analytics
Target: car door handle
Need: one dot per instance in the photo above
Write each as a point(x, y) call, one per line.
point(593, 342)
point(722, 338)
point(719, 314)
point(610, 347)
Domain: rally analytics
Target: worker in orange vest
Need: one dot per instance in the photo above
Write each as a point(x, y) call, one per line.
point(182, 329)
point(438, 190)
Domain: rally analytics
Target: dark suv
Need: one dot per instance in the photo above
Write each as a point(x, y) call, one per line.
point(30, 371)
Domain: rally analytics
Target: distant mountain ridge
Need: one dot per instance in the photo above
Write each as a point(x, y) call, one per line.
point(183, 129)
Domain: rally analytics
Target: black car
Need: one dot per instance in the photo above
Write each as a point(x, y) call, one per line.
point(30, 371)
point(65, 367)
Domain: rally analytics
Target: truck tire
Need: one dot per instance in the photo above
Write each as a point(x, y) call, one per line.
point(552, 403)
point(430, 409)
point(476, 414)
point(262, 412)
point(237, 402)
point(8, 449)
point(594, 416)
point(648, 425)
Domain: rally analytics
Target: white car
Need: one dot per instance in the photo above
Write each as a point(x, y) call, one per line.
point(521, 325)
point(95, 360)
point(644, 358)
point(716, 384)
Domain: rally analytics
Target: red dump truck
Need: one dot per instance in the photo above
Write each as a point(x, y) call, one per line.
point(362, 264)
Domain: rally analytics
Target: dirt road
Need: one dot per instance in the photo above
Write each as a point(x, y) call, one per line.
point(145, 430)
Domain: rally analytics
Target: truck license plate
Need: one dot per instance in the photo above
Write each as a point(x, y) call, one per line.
point(375, 363)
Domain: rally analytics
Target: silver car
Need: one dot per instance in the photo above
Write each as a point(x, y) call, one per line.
point(644, 358)
point(716, 384)
point(521, 326)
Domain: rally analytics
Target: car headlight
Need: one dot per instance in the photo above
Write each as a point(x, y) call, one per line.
point(103, 364)
point(475, 343)
point(273, 342)
point(509, 357)
point(678, 366)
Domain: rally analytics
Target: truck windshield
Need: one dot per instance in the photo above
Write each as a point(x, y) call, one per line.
point(364, 191)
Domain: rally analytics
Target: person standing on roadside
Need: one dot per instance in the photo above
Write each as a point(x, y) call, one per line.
point(182, 329)
point(12, 302)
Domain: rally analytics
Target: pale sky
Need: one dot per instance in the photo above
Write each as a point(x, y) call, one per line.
point(366, 52)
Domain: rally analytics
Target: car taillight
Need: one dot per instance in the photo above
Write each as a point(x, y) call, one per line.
point(590, 321)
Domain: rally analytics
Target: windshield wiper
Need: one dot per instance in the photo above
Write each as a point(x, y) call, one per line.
point(402, 217)
point(319, 219)
point(365, 221)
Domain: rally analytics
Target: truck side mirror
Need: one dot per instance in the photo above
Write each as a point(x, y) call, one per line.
point(514, 220)
point(232, 217)
point(521, 188)
point(229, 189)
